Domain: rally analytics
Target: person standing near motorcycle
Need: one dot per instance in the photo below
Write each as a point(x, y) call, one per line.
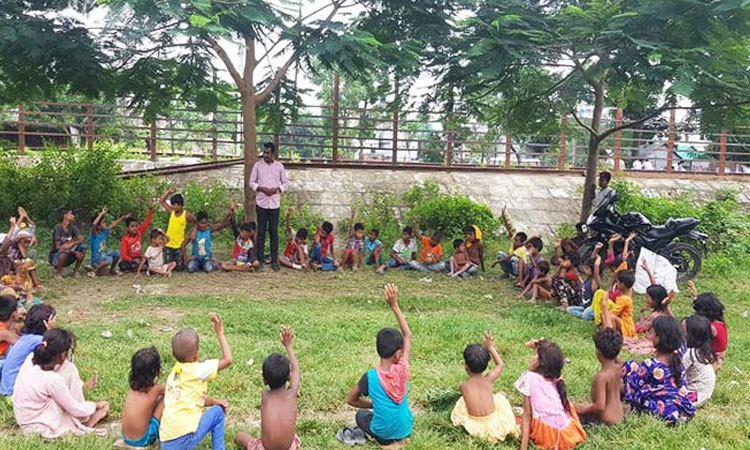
point(605, 192)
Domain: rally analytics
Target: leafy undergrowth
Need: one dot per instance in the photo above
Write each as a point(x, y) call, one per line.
point(335, 318)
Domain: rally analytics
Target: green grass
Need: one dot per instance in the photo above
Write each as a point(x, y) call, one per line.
point(336, 317)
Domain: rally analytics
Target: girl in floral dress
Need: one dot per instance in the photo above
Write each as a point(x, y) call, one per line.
point(658, 385)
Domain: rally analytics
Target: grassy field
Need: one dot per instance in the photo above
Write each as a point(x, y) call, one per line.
point(336, 317)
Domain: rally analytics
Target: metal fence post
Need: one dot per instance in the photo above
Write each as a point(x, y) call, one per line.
point(152, 140)
point(722, 151)
point(394, 143)
point(670, 140)
point(21, 130)
point(90, 126)
point(335, 119)
point(508, 148)
point(563, 142)
point(618, 141)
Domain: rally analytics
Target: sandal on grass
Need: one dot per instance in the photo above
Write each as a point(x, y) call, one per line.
point(351, 436)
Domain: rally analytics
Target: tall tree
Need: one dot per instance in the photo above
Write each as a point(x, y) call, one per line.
point(608, 52)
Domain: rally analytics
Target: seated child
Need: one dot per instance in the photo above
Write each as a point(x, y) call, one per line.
point(548, 420)
point(475, 247)
point(483, 414)
point(67, 245)
point(103, 261)
point(658, 385)
point(709, 306)
point(295, 254)
point(178, 219)
point(8, 324)
point(17, 257)
point(131, 256)
point(184, 423)
point(566, 286)
point(511, 262)
point(243, 252)
point(459, 263)
point(622, 309)
point(403, 251)
point(373, 248)
point(278, 405)
point(202, 256)
point(39, 319)
point(432, 252)
point(530, 271)
point(153, 259)
point(699, 359)
point(658, 301)
point(606, 388)
point(592, 272)
point(144, 403)
point(541, 285)
point(387, 385)
point(321, 255)
point(354, 250)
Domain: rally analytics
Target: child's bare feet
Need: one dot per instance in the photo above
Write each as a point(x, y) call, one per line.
point(92, 382)
point(91, 274)
point(102, 409)
point(76, 274)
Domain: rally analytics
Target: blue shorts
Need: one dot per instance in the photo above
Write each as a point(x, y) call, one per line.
point(55, 257)
point(393, 264)
point(106, 258)
point(151, 436)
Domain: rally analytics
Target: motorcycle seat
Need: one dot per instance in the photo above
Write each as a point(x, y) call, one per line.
point(660, 232)
point(679, 223)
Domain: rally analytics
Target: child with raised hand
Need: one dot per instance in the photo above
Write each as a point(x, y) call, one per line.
point(430, 259)
point(592, 271)
point(278, 409)
point(549, 420)
point(103, 261)
point(530, 271)
point(566, 286)
point(131, 244)
point(658, 385)
point(606, 387)
point(354, 251)
point(622, 309)
point(322, 253)
point(184, 423)
point(481, 413)
point(295, 253)
point(176, 227)
point(144, 403)
point(512, 262)
point(459, 263)
point(153, 259)
point(657, 300)
point(201, 237)
point(709, 306)
point(243, 251)
point(699, 359)
point(386, 417)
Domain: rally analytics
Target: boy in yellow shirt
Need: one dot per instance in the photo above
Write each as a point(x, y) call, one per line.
point(178, 219)
point(184, 424)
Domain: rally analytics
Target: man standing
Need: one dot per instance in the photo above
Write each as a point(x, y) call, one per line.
point(605, 192)
point(268, 180)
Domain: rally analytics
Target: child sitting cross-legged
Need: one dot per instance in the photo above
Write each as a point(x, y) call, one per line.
point(103, 261)
point(622, 308)
point(243, 252)
point(459, 263)
point(566, 286)
point(201, 237)
point(541, 285)
point(131, 245)
point(404, 250)
point(430, 259)
point(278, 409)
point(144, 403)
point(511, 262)
point(528, 272)
point(153, 259)
point(184, 423)
point(709, 306)
point(549, 420)
point(354, 251)
point(386, 417)
point(373, 248)
point(605, 406)
point(295, 253)
point(322, 253)
point(699, 359)
point(483, 414)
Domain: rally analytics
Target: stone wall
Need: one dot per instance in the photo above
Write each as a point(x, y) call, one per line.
point(537, 202)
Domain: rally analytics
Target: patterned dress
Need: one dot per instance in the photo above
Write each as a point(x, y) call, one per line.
point(651, 388)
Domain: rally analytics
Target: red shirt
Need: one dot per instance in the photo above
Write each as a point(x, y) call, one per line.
point(130, 246)
point(325, 245)
point(290, 249)
point(721, 340)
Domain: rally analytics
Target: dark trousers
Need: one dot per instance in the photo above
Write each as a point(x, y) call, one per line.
point(364, 419)
point(268, 219)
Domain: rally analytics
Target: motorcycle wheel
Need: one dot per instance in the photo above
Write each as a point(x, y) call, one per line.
point(685, 258)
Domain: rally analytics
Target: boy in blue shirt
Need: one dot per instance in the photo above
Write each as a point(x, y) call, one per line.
point(202, 256)
point(373, 249)
point(101, 259)
point(386, 416)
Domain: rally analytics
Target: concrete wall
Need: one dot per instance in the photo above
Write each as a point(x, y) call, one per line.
point(536, 202)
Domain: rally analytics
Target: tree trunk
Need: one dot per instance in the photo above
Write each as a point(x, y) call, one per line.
point(592, 163)
point(249, 130)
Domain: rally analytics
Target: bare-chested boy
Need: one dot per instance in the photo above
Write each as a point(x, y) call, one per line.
point(144, 403)
point(605, 406)
point(278, 410)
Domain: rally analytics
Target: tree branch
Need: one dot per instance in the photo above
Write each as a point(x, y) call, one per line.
point(583, 125)
point(227, 61)
point(611, 131)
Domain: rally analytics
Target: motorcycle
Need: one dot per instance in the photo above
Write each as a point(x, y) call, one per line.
point(676, 240)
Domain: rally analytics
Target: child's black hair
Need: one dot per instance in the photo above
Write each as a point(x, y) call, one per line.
point(609, 342)
point(375, 231)
point(550, 364)
point(606, 175)
point(470, 229)
point(668, 342)
point(247, 226)
point(145, 367)
point(537, 243)
point(700, 339)
point(177, 200)
point(130, 220)
point(54, 343)
point(35, 318)
point(302, 233)
point(543, 267)
point(437, 236)
point(476, 357)
point(201, 215)
point(626, 277)
point(658, 294)
point(155, 233)
point(388, 342)
point(327, 227)
point(709, 306)
point(8, 305)
point(573, 257)
point(408, 231)
point(521, 236)
point(276, 370)
point(555, 260)
point(457, 243)
point(359, 226)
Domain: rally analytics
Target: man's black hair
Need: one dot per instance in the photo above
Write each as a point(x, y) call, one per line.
point(327, 227)
point(609, 342)
point(476, 357)
point(269, 145)
point(606, 175)
point(388, 342)
point(276, 370)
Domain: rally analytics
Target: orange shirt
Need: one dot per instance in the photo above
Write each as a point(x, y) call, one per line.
point(3, 345)
point(624, 310)
point(430, 254)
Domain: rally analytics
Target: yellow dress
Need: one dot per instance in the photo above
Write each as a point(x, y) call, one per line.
point(493, 428)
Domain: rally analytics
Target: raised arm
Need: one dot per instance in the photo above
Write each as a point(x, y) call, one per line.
point(489, 342)
point(288, 223)
point(287, 336)
point(597, 267)
point(100, 216)
point(391, 297)
point(506, 222)
point(417, 231)
point(118, 221)
point(23, 214)
point(626, 248)
point(163, 199)
point(226, 352)
point(558, 243)
point(351, 221)
point(606, 314)
point(651, 278)
point(149, 217)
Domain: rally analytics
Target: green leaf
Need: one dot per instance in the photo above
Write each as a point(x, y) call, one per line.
point(655, 57)
point(199, 21)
